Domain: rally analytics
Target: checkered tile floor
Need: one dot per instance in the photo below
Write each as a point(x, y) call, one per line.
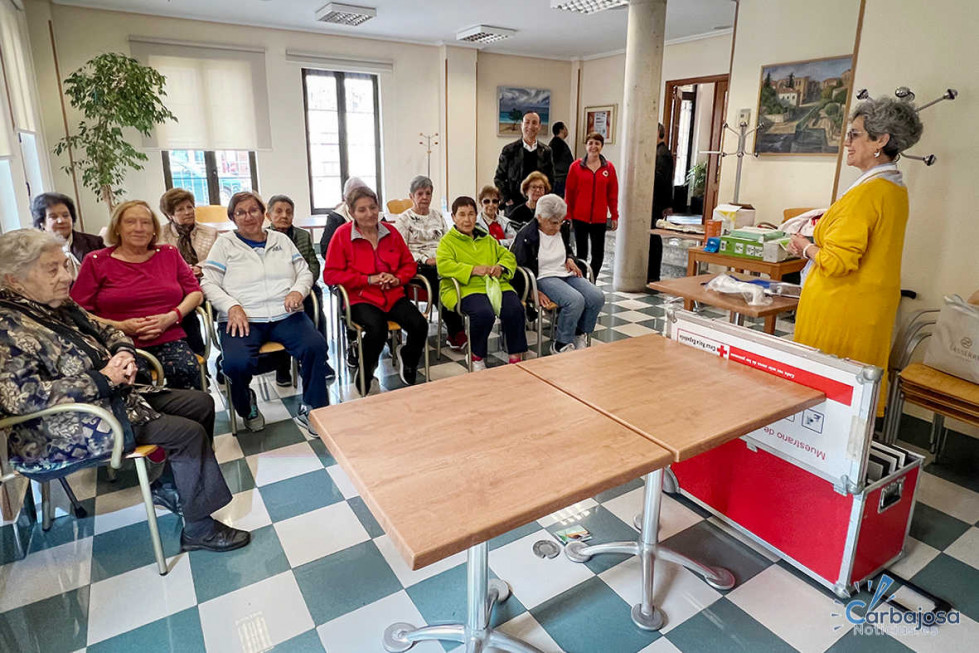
point(321, 575)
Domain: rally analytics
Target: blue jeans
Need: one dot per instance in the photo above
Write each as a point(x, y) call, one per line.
point(300, 338)
point(579, 303)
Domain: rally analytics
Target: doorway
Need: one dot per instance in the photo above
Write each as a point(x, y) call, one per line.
point(693, 117)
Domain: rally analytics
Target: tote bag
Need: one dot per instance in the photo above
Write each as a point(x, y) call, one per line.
point(954, 344)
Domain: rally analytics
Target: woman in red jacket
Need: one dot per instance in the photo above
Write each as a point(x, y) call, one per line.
point(592, 193)
point(372, 262)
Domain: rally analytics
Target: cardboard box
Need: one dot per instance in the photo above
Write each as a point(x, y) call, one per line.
point(741, 247)
point(734, 216)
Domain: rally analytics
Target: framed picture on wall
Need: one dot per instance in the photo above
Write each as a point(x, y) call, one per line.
point(802, 106)
point(514, 101)
point(601, 120)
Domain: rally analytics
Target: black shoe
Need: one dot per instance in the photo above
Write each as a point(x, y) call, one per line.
point(222, 538)
point(408, 374)
point(351, 357)
point(331, 375)
point(166, 497)
point(283, 377)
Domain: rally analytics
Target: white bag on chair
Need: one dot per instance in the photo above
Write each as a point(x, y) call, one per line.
point(954, 345)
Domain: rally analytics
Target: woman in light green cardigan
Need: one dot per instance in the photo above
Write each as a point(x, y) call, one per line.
point(475, 259)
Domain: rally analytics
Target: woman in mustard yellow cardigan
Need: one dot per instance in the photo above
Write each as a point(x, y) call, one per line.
point(853, 287)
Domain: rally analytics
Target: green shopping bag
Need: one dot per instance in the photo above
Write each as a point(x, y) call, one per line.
point(494, 293)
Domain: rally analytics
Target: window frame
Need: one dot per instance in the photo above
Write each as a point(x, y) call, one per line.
point(339, 77)
point(211, 174)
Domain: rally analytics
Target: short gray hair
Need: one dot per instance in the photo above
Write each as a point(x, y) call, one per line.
point(551, 206)
point(351, 183)
point(20, 250)
point(418, 183)
point(890, 116)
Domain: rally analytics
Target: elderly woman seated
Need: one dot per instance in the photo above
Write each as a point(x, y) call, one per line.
point(422, 227)
point(144, 289)
point(372, 263)
point(491, 218)
point(55, 213)
point(257, 280)
point(193, 241)
point(544, 246)
point(475, 259)
point(534, 187)
point(53, 352)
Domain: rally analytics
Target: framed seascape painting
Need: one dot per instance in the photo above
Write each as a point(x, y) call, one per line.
point(601, 120)
point(802, 106)
point(514, 101)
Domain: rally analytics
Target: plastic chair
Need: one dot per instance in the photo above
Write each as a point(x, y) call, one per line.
point(269, 347)
point(396, 207)
point(211, 213)
point(139, 455)
point(417, 286)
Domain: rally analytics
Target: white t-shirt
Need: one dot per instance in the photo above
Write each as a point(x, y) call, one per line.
point(551, 257)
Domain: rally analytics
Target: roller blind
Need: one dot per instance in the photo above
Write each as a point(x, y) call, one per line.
point(218, 94)
point(16, 68)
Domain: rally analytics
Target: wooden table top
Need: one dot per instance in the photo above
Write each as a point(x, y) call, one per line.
point(449, 464)
point(693, 288)
point(682, 398)
point(669, 233)
point(780, 269)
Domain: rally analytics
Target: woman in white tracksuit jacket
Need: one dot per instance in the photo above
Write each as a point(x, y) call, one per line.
point(256, 280)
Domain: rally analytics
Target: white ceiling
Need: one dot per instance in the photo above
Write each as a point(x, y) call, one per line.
point(541, 31)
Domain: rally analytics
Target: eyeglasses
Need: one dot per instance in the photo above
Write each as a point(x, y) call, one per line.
point(853, 133)
point(537, 187)
point(255, 212)
point(491, 201)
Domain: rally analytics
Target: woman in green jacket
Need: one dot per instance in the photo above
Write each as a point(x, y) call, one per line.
point(477, 261)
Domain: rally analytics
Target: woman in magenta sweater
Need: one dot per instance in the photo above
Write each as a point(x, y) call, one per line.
point(592, 193)
point(144, 290)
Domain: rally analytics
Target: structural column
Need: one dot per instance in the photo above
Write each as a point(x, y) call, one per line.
point(640, 117)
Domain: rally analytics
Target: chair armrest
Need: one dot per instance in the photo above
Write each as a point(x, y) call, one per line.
point(585, 269)
point(316, 310)
point(530, 287)
point(345, 306)
point(205, 317)
point(118, 441)
point(419, 280)
point(154, 364)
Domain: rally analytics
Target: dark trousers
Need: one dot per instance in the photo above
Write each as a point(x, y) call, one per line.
point(283, 362)
point(375, 324)
point(300, 338)
point(192, 325)
point(655, 258)
point(585, 232)
point(453, 323)
point(482, 318)
point(185, 430)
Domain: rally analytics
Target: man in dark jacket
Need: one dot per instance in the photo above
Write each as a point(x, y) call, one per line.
point(662, 201)
point(563, 158)
point(519, 159)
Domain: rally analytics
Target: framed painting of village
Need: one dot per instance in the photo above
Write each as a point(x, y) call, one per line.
point(802, 106)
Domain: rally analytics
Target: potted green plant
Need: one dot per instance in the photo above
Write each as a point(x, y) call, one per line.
point(113, 93)
point(697, 181)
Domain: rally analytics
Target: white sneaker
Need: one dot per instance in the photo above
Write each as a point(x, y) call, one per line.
point(563, 350)
point(479, 366)
point(581, 342)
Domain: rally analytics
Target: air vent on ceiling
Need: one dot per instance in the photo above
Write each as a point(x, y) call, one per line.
point(587, 6)
point(341, 14)
point(484, 34)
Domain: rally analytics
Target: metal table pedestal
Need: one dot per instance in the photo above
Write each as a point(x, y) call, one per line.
point(476, 634)
point(645, 614)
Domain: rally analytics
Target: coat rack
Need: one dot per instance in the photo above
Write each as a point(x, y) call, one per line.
point(742, 132)
point(906, 94)
point(430, 140)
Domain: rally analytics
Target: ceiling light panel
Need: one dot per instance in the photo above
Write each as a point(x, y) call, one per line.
point(484, 34)
point(341, 14)
point(587, 6)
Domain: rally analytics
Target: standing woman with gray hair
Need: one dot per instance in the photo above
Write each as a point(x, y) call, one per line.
point(853, 288)
point(422, 227)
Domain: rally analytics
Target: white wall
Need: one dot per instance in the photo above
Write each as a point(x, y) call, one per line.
point(931, 47)
point(769, 33)
point(409, 96)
